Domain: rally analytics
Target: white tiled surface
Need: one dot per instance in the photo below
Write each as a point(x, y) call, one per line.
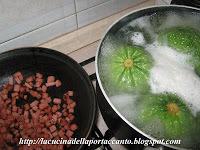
point(85, 4)
point(31, 23)
point(103, 10)
point(36, 37)
point(21, 16)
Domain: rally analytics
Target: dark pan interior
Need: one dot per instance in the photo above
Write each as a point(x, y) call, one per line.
point(71, 74)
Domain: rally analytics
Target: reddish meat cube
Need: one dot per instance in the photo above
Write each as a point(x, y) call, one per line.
point(18, 75)
point(57, 101)
point(71, 110)
point(35, 94)
point(66, 126)
point(52, 128)
point(48, 99)
point(72, 105)
point(70, 93)
point(35, 108)
point(58, 83)
point(18, 80)
point(45, 95)
point(43, 106)
point(16, 87)
point(50, 84)
point(26, 114)
point(48, 124)
point(34, 103)
point(59, 114)
point(50, 79)
point(14, 94)
point(26, 107)
point(22, 89)
point(61, 133)
point(73, 127)
point(14, 108)
point(39, 80)
point(44, 88)
point(28, 85)
point(38, 84)
point(69, 133)
point(65, 113)
point(71, 117)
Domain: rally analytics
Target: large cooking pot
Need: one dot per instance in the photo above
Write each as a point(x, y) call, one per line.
point(119, 123)
point(50, 62)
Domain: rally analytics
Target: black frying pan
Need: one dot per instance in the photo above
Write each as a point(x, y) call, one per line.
point(49, 62)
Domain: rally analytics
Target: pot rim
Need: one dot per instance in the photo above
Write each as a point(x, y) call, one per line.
point(99, 80)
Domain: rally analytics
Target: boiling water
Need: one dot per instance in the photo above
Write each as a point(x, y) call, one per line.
point(171, 71)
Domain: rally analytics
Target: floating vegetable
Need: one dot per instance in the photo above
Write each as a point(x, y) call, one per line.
point(175, 117)
point(183, 39)
point(129, 67)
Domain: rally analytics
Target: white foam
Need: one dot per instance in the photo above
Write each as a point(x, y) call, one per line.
point(125, 103)
point(138, 38)
point(172, 73)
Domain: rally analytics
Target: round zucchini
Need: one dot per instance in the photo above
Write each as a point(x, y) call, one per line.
point(129, 67)
point(174, 115)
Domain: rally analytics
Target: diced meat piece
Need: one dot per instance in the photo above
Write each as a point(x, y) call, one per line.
point(18, 80)
point(39, 80)
point(35, 94)
point(69, 133)
point(34, 103)
point(70, 93)
point(50, 79)
point(71, 110)
point(26, 107)
point(44, 88)
point(16, 87)
point(50, 84)
point(14, 94)
point(61, 133)
point(71, 117)
point(38, 84)
point(57, 101)
point(52, 128)
point(28, 85)
point(58, 83)
point(72, 105)
point(22, 89)
point(43, 106)
point(73, 127)
point(59, 114)
point(44, 95)
point(35, 108)
point(14, 109)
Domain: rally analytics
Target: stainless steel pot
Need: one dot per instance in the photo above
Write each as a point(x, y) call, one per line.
point(118, 123)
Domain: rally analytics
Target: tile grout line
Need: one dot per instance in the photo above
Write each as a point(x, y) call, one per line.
point(76, 14)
